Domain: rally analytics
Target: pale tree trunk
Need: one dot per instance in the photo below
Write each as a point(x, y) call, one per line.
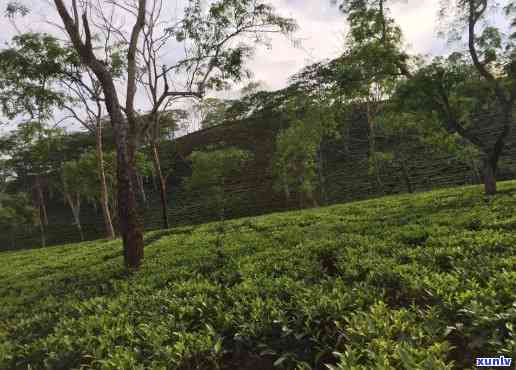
point(104, 199)
point(320, 173)
point(286, 188)
point(42, 212)
point(162, 184)
point(406, 176)
point(41, 201)
point(75, 206)
point(42, 229)
point(372, 148)
point(141, 185)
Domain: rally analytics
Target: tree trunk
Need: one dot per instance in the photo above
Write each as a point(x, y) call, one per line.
point(372, 149)
point(42, 229)
point(406, 177)
point(130, 225)
point(104, 199)
point(76, 209)
point(320, 172)
point(41, 201)
point(162, 185)
point(491, 162)
point(489, 177)
point(13, 244)
point(128, 217)
point(141, 185)
point(475, 170)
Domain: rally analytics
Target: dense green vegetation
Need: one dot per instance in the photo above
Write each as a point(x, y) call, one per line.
point(424, 281)
point(452, 112)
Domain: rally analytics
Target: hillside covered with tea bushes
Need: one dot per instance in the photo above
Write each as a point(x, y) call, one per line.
point(425, 281)
point(344, 174)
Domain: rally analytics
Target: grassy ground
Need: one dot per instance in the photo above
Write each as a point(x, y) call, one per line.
point(424, 281)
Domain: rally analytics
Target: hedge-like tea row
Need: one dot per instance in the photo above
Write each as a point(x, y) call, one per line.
point(425, 281)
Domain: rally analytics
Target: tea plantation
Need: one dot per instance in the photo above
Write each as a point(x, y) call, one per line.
point(425, 281)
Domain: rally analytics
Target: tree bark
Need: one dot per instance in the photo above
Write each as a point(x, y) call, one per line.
point(124, 130)
point(406, 177)
point(76, 209)
point(42, 229)
point(320, 172)
point(130, 226)
point(162, 184)
point(41, 201)
point(13, 244)
point(505, 97)
point(372, 148)
point(489, 178)
point(141, 185)
point(104, 199)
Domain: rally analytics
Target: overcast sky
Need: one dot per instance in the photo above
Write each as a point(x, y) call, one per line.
point(322, 29)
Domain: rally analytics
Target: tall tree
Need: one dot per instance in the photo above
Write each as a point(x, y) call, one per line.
point(77, 22)
point(211, 111)
point(493, 57)
point(87, 108)
point(74, 188)
point(297, 162)
point(42, 57)
point(370, 67)
point(15, 214)
point(32, 158)
point(212, 169)
point(217, 40)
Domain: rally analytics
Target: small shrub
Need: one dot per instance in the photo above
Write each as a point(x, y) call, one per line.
point(414, 235)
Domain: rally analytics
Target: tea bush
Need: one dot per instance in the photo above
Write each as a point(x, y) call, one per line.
point(424, 281)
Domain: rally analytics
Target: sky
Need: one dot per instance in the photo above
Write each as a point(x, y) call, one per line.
point(321, 32)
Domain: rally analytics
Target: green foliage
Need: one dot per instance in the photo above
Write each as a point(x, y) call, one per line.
point(295, 161)
point(445, 97)
point(212, 111)
point(212, 169)
point(30, 68)
point(347, 286)
point(33, 149)
point(402, 132)
point(79, 176)
point(16, 212)
point(252, 87)
point(210, 32)
point(214, 166)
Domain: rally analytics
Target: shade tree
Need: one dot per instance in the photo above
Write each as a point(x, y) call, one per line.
point(297, 162)
point(216, 40)
point(492, 60)
point(208, 63)
point(16, 214)
point(67, 86)
point(212, 169)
